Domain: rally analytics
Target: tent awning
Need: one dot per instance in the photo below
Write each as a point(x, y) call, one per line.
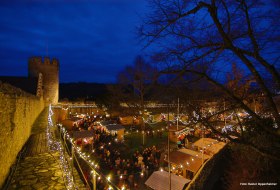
point(211, 145)
point(186, 161)
point(194, 153)
point(159, 180)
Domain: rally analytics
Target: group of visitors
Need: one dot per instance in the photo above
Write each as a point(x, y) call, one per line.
point(126, 171)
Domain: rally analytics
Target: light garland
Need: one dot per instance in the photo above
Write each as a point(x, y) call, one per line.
point(86, 157)
point(55, 145)
point(76, 106)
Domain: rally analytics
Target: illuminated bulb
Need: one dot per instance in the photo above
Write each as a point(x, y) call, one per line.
point(188, 163)
point(108, 178)
point(121, 176)
point(161, 169)
point(142, 174)
point(192, 159)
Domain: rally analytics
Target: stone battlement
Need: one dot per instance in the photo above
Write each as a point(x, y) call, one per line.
point(43, 61)
point(49, 69)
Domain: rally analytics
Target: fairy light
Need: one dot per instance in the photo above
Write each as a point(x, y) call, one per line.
point(87, 158)
point(55, 145)
point(108, 178)
point(90, 162)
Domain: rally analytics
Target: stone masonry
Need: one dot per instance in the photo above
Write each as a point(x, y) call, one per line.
point(40, 169)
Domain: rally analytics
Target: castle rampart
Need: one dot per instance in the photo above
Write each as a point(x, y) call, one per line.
point(18, 111)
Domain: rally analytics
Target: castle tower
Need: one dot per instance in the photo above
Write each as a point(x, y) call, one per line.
point(50, 72)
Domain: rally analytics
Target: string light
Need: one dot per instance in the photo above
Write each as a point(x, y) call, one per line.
point(86, 157)
point(55, 145)
point(77, 106)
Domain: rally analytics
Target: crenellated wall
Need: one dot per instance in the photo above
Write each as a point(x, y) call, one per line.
point(18, 111)
point(50, 71)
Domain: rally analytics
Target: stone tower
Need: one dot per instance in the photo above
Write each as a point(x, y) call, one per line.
point(49, 69)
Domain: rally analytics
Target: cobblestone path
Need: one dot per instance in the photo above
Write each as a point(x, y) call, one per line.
point(39, 169)
point(39, 172)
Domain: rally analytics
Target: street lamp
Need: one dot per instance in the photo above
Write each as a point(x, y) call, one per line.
point(168, 147)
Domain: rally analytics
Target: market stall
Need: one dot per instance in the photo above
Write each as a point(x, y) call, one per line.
point(185, 164)
point(159, 180)
point(209, 146)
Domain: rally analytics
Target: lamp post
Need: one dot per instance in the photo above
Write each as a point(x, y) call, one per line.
point(168, 147)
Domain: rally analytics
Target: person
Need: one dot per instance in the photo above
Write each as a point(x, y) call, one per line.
point(140, 159)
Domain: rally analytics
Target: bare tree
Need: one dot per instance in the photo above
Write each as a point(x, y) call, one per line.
point(205, 37)
point(137, 81)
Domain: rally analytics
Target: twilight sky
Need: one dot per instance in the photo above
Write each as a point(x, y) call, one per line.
point(93, 39)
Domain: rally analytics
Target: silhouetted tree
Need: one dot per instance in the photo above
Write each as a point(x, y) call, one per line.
point(205, 37)
point(134, 85)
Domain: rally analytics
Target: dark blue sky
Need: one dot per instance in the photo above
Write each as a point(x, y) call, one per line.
point(93, 40)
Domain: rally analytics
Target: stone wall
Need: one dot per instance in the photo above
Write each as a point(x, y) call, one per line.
point(210, 173)
point(18, 111)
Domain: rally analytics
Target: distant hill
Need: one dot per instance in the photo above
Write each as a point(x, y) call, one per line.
point(82, 90)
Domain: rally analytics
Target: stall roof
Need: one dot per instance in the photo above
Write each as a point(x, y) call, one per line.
point(194, 153)
point(188, 162)
point(204, 142)
point(211, 145)
point(159, 180)
point(215, 148)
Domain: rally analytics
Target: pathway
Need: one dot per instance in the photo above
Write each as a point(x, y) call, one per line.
point(39, 169)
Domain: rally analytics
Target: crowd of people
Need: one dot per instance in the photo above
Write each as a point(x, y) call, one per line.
point(104, 148)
